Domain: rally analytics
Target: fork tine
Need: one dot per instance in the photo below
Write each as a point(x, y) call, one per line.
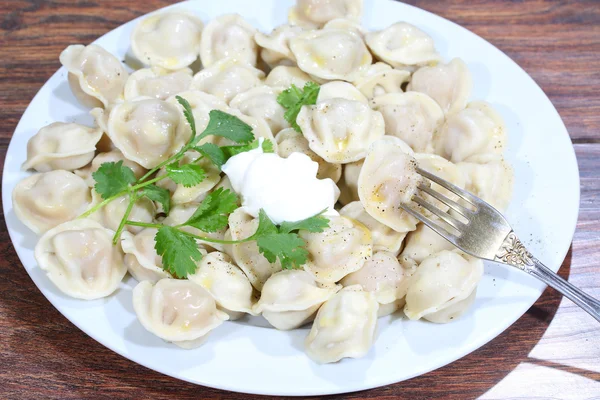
point(445, 216)
point(453, 188)
point(464, 211)
point(452, 238)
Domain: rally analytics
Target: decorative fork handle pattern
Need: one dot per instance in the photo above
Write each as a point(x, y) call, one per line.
point(513, 252)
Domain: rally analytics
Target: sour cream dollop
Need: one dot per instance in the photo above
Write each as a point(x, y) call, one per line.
point(286, 188)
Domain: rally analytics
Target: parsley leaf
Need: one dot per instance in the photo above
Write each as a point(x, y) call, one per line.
point(187, 175)
point(288, 247)
point(187, 113)
point(158, 194)
point(227, 126)
point(313, 224)
point(211, 215)
point(293, 99)
point(213, 153)
point(178, 250)
point(113, 178)
point(230, 151)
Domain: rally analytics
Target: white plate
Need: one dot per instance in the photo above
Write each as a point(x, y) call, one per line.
point(245, 358)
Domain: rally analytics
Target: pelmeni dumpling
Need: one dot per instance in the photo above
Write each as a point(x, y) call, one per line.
point(331, 54)
point(346, 24)
point(147, 131)
point(411, 116)
point(169, 39)
point(289, 141)
point(402, 44)
point(177, 311)
point(61, 146)
point(291, 297)
point(442, 280)
point(348, 184)
point(261, 102)
point(344, 326)
point(96, 77)
point(227, 284)
point(444, 169)
point(340, 130)
point(423, 242)
point(180, 213)
point(228, 36)
point(340, 90)
point(111, 214)
point(284, 76)
point(448, 84)
point(314, 13)
point(141, 259)
point(379, 79)
point(157, 82)
point(227, 77)
point(111, 156)
point(476, 130)
point(246, 255)
point(384, 237)
point(340, 249)
point(275, 47)
point(43, 201)
point(491, 180)
point(385, 276)
point(80, 259)
point(388, 178)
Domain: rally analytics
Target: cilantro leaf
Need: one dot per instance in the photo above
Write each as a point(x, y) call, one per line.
point(211, 215)
point(265, 225)
point(158, 194)
point(187, 175)
point(314, 224)
point(113, 178)
point(230, 151)
point(293, 99)
point(288, 247)
point(213, 153)
point(227, 126)
point(178, 250)
point(188, 114)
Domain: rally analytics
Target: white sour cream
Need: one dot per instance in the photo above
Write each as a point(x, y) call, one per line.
point(286, 188)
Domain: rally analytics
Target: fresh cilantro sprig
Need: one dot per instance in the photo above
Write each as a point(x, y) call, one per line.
point(294, 98)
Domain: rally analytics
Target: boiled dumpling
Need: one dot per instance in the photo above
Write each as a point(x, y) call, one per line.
point(227, 77)
point(388, 179)
point(157, 82)
point(315, 13)
point(290, 141)
point(340, 249)
point(111, 156)
point(261, 102)
point(169, 40)
point(331, 54)
point(111, 214)
point(177, 311)
point(147, 131)
point(444, 169)
point(227, 284)
point(291, 297)
point(402, 44)
point(384, 237)
point(442, 280)
point(228, 36)
point(344, 326)
point(43, 201)
point(141, 258)
point(380, 79)
point(411, 116)
point(477, 130)
point(96, 77)
point(61, 146)
point(284, 76)
point(80, 259)
point(340, 90)
point(385, 276)
point(346, 24)
point(491, 180)
point(246, 255)
point(348, 184)
point(448, 84)
point(423, 242)
point(276, 45)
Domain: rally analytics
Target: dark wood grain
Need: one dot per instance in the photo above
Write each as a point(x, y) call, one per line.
point(552, 351)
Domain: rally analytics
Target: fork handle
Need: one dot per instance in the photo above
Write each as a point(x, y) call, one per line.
point(514, 253)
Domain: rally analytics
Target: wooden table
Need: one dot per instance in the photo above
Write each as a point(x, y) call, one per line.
point(552, 351)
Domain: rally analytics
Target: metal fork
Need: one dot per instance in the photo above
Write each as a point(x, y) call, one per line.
point(487, 234)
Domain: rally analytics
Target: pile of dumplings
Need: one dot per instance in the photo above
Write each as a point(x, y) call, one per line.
point(385, 95)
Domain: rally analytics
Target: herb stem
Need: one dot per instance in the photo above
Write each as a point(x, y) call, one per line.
point(102, 204)
point(132, 199)
point(147, 183)
point(143, 224)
